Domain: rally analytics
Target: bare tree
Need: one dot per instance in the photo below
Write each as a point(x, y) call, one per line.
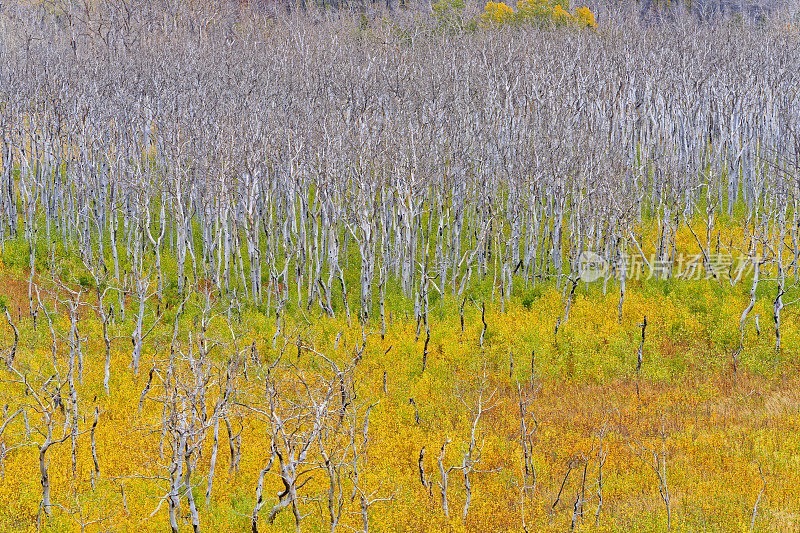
point(42, 401)
point(656, 460)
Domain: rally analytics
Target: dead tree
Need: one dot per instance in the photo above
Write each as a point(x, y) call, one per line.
point(484, 401)
point(761, 492)
point(184, 421)
point(141, 283)
point(40, 400)
point(477, 402)
point(602, 454)
point(12, 353)
point(73, 341)
point(525, 399)
point(639, 352)
point(656, 460)
point(360, 447)
point(444, 476)
point(260, 490)
point(298, 410)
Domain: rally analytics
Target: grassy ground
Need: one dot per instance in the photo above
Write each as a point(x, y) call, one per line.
point(720, 437)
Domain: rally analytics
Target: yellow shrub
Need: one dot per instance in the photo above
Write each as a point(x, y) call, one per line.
point(497, 14)
point(536, 10)
point(585, 17)
point(549, 12)
point(560, 16)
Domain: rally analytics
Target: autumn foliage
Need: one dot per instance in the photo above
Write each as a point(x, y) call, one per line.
point(547, 12)
point(591, 425)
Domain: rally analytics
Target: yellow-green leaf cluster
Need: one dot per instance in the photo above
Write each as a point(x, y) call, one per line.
point(539, 12)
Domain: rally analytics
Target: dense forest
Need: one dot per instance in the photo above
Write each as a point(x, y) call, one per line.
point(399, 266)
